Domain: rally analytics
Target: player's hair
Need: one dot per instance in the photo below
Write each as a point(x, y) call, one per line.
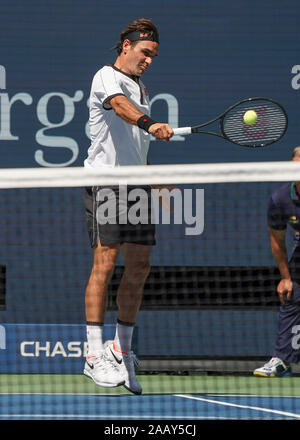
point(141, 24)
point(296, 152)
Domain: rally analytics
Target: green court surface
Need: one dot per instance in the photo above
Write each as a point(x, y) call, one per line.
point(152, 384)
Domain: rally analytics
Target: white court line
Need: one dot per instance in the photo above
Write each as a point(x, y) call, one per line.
point(255, 395)
point(255, 408)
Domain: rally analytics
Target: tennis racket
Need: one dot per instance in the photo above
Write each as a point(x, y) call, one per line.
point(271, 123)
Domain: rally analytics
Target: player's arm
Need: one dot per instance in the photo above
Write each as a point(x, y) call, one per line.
point(278, 247)
point(128, 111)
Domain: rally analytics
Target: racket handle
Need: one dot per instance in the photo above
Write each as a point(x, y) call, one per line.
point(182, 130)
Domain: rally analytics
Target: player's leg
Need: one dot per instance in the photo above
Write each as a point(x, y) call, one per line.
point(98, 366)
point(96, 289)
point(105, 254)
point(137, 268)
point(287, 347)
point(129, 297)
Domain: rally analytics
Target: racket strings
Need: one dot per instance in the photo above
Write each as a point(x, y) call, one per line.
point(270, 125)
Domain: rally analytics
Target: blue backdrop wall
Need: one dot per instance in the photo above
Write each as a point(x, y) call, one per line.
point(212, 54)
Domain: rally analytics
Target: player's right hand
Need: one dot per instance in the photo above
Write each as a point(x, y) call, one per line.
point(284, 289)
point(161, 131)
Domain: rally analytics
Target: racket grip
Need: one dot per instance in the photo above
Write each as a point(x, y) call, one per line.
point(182, 130)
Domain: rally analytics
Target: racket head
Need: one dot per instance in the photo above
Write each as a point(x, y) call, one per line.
point(270, 126)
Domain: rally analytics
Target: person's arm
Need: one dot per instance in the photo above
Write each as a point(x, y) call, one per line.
point(127, 111)
point(278, 247)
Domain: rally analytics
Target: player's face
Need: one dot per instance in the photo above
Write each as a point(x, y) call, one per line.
point(139, 56)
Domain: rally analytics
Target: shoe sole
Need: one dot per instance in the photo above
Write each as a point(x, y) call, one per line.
point(272, 375)
point(102, 384)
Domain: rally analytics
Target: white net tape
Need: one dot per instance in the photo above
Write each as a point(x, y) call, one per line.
point(151, 174)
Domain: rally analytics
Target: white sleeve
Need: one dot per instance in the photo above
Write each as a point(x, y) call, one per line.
point(106, 85)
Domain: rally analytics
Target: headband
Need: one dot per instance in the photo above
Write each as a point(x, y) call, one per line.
point(141, 35)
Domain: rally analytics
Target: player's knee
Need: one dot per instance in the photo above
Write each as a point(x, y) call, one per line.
point(139, 269)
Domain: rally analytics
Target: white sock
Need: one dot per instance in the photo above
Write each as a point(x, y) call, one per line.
point(94, 339)
point(123, 337)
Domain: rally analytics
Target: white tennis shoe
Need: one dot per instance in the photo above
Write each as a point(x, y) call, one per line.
point(274, 368)
point(102, 371)
point(126, 364)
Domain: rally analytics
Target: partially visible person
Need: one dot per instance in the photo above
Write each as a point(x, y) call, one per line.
point(284, 211)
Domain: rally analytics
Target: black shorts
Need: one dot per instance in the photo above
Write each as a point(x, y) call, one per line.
point(114, 219)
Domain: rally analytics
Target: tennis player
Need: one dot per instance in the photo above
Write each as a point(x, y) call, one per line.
point(283, 217)
point(120, 128)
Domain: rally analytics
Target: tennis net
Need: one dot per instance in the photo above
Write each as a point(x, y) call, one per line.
point(209, 313)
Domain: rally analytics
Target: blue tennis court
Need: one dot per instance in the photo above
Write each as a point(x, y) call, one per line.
point(165, 397)
point(145, 407)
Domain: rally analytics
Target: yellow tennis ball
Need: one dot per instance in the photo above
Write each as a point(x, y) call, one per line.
point(250, 117)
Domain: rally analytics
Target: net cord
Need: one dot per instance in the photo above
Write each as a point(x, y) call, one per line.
point(150, 175)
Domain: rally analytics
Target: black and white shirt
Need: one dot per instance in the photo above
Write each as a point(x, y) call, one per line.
point(115, 142)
